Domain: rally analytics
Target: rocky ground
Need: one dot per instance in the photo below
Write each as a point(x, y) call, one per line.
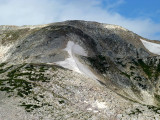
point(49, 92)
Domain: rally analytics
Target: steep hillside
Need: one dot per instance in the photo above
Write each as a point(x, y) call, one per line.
point(78, 70)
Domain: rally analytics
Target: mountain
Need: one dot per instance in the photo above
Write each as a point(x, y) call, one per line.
point(78, 70)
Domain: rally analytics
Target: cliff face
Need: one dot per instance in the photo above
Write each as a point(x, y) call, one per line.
point(108, 56)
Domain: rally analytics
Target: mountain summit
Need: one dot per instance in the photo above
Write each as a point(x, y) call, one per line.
point(78, 70)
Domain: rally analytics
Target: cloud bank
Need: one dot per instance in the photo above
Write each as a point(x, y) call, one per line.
point(32, 12)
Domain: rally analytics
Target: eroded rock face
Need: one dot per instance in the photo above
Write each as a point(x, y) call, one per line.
point(108, 56)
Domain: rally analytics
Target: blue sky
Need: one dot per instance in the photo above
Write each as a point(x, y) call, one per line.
point(139, 16)
point(149, 9)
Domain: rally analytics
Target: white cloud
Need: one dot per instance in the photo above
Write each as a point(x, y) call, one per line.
point(113, 4)
point(22, 12)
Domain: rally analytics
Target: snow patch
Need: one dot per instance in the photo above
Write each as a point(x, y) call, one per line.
point(90, 109)
point(70, 62)
point(108, 26)
point(152, 47)
point(73, 63)
point(96, 105)
point(3, 51)
point(100, 105)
